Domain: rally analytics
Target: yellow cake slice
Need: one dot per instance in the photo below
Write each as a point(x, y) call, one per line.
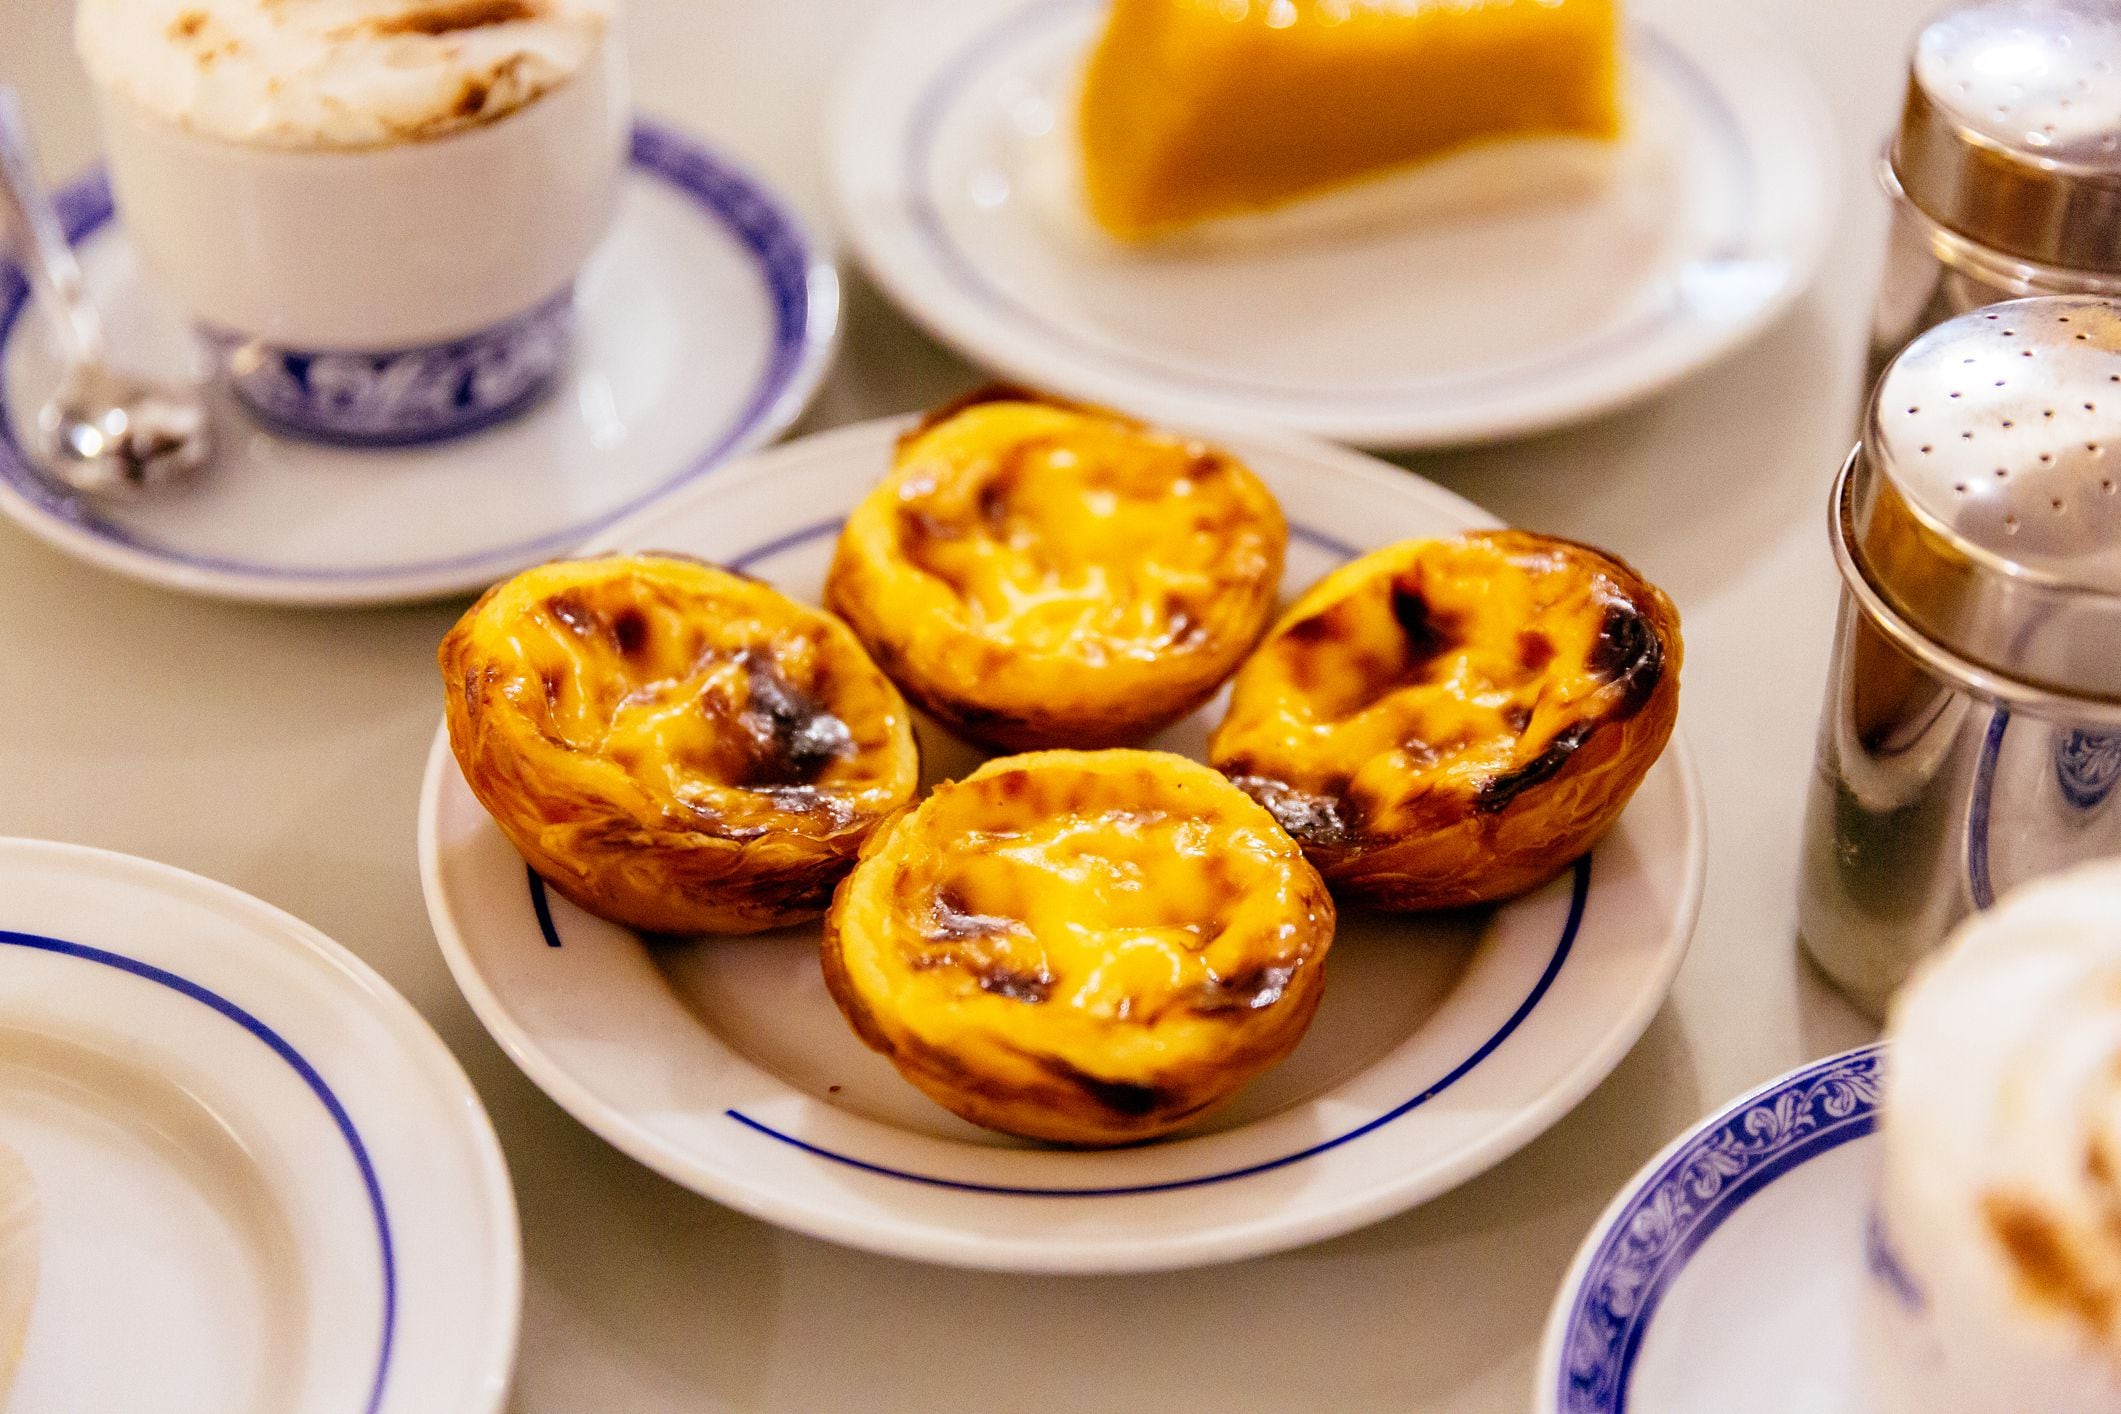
point(1194, 109)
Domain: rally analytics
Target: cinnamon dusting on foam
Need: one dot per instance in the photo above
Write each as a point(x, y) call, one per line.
point(446, 16)
point(336, 73)
point(2050, 1267)
point(2002, 1126)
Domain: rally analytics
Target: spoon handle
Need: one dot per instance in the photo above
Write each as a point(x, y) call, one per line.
point(41, 245)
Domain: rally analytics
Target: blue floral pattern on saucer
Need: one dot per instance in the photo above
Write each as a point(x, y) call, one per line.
point(1699, 1185)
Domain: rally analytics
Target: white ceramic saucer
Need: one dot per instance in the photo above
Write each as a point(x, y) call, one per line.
point(1728, 1277)
point(1443, 1044)
point(705, 322)
point(267, 1187)
point(1489, 322)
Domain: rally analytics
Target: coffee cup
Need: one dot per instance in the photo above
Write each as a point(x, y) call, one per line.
point(376, 222)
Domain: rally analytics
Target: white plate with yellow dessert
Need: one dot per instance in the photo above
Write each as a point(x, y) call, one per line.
point(1442, 1041)
point(1393, 226)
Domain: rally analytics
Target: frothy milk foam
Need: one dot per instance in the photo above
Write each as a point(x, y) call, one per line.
point(336, 73)
point(2001, 1206)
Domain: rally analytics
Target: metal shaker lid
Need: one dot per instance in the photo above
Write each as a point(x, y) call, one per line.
point(2011, 135)
point(1984, 505)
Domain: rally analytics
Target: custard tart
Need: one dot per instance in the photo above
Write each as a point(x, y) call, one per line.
point(1084, 947)
point(672, 746)
point(1449, 722)
point(1040, 575)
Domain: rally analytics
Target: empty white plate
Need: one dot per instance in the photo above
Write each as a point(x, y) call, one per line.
point(953, 162)
point(266, 1186)
point(1728, 1278)
point(703, 324)
point(1443, 1044)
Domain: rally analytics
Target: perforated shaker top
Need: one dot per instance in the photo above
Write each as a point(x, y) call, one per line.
point(2012, 130)
point(1987, 498)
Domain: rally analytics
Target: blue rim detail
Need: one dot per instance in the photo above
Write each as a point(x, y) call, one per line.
point(1979, 882)
point(727, 194)
point(317, 1084)
point(1673, 1212)
point(943, 92)
point(783, 543)
point(820, 529)
point(1324, 542)
point(1579, 897)
point(543, 905)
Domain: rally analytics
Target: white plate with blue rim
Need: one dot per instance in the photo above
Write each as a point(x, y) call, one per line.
point(1458, 321)
point(1728, 1278)
point(255, 1164)
point(703, 324)
point(1443, 1044)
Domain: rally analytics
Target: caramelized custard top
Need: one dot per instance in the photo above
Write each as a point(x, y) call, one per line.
point(726, 706)
point(1432, 671)
point(1112, 911)
point(1076, 534)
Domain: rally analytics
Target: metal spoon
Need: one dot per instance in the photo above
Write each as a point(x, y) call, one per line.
point(103, 432)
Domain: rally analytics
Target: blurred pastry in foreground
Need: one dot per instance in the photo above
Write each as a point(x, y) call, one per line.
point(1085, 947)
point(1450, 722)
point(21, 1243)
point(1193, 109)
point(672, 746)
point(1995, 1274)
point(1035, 574)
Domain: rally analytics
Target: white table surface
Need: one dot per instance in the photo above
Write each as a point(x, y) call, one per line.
point(281, 752)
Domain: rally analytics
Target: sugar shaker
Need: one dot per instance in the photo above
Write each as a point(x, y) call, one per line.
point(2005, 175)
point(1971, 736)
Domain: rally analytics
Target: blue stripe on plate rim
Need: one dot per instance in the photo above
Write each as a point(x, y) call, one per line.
point(1665, 1220)
point(818, 530)
point(1579, 898)
point(800, 282)
point(280, 1047)
point(943, 91)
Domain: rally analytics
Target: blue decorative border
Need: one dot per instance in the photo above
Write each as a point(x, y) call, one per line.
point(818, 530)
point(1980, 883)
point(317, 1084)
point(1579, 898)
point(2087, 766)
point(406, 397)
point(541, 903)
point(1672, 1213)
point(918, 161)
point(724, 192)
